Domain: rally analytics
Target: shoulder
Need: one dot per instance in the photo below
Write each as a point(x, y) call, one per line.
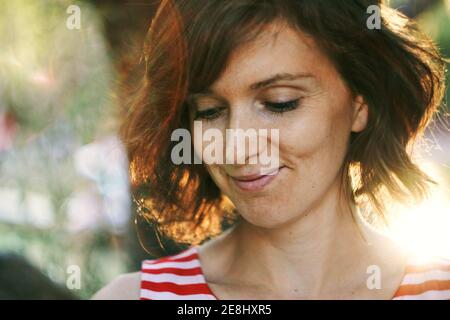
point(124, 287)
point(426, 279)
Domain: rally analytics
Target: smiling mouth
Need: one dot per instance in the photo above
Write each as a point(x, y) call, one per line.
point(255, 182)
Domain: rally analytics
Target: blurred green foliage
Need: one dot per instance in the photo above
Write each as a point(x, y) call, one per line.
point(57, 85)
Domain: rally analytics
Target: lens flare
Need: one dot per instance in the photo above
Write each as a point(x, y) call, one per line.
point(424, 230)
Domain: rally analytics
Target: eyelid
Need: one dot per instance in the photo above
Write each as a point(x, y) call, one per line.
point(199, 107)
point(194, 98)
point(200, 114)
point(286, 106)
point(284, 90)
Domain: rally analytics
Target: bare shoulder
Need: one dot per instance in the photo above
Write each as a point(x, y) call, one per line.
point(124, 287)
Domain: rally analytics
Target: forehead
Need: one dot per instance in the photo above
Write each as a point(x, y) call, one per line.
point(278, 49)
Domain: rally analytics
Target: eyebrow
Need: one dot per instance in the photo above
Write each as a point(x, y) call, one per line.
point(260, 84)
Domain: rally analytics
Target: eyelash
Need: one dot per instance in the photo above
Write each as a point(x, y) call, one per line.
point(205, 115)
point(277, 108)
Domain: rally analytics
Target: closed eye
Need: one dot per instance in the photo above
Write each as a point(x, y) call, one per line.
point(274, 107)
point(208, 114)
point(280, 107)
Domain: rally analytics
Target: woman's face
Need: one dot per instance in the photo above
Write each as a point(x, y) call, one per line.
point(281, 81)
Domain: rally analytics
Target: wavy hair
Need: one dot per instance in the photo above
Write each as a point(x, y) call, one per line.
point(396, 68)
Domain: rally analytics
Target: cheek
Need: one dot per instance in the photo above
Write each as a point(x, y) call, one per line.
point(317, 141)
point(311, 135)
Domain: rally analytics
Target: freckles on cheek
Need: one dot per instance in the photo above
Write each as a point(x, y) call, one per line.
point(306, 137)
point(314, 142)
point(320, 144)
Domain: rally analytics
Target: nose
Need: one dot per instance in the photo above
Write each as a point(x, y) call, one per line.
point(242, 137)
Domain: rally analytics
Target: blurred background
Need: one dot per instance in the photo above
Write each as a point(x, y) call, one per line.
point(65, 205)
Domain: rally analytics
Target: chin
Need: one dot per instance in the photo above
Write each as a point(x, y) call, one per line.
point(265, 216)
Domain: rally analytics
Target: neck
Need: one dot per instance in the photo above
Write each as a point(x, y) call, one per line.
point(315, 252)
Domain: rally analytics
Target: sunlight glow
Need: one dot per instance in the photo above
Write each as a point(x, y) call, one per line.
point(424, 230)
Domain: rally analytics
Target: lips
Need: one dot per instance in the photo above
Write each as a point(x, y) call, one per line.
point(255, 182)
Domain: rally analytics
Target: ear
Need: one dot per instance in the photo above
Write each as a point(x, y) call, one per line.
point(360, 114)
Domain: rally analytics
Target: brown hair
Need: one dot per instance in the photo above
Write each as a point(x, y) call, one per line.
point(395, 68)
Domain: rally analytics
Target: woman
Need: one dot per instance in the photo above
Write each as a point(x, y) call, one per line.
point(347, 100)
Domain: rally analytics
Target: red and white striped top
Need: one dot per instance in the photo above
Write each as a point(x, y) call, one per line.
point(177, 277)
point(429, 280)
point(180, 277)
